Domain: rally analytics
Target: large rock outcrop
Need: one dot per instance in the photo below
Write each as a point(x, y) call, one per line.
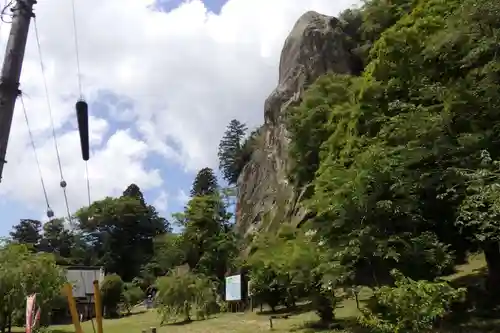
point(316, 45)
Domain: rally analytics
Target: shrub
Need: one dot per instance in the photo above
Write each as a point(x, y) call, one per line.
point(131, 296)
point(181, 292)
point(111, 291)
point(410, 306)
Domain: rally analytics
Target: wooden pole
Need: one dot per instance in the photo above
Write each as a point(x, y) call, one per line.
point(68, 289)
point(98, 306)
point(11, 70)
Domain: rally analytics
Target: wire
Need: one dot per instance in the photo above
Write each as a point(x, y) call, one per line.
point(63, 182)
point(4, 9)
point(35, 152)
point(88, 181)
point(76, 49)
point(80, 85)
point(5, 5)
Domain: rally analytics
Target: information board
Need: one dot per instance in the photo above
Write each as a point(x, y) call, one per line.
point(233, 288)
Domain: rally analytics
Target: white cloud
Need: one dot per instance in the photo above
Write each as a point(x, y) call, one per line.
point(186, 73)
point(182, 197)
point(161, 202)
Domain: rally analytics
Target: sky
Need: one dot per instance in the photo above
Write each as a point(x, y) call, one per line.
point(162, 79)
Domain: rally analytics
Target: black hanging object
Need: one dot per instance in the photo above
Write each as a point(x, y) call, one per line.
point(82, 116)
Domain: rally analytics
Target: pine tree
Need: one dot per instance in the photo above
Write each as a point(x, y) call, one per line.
point(230, 151)
point(133, 191)
point(205, 183)
point(27, 232)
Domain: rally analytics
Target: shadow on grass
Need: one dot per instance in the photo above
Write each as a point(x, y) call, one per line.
point(186, 321)
point(298, 309)
point(126, 315)
point(133, 313)
point(339, 325)
point(179, 323)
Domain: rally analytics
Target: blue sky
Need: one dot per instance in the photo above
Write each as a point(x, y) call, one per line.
point(213, 5)
point(162, 85)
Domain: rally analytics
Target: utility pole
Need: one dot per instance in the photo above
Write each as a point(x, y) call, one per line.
point(22, 12)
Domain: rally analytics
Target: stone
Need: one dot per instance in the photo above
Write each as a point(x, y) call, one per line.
point(315, 46)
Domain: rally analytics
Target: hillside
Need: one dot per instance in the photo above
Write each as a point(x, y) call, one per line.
point(316, 45)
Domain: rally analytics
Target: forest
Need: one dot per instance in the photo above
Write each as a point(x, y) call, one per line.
point(401, 169)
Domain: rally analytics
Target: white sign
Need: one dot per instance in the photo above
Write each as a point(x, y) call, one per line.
point(233, 288)
point(83, 280)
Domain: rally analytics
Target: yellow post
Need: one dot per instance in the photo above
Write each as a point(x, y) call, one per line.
point(68, 289)
point(98, 306)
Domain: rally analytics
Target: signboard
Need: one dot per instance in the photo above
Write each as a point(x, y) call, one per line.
point(82, 280)
point(233, 288)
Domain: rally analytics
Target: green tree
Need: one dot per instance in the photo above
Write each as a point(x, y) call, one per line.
point(209, 244)
point(293, 266)
point(230, 153)
point(181, 292)
point(169, 253)
point(410, 306)
point(131, 296)
point(57, 239)
point(133, 191)
point(111, 289)
point(24, 273)
point(309, 123)
point(27, 232)
point(121, 231)
point(205, 183)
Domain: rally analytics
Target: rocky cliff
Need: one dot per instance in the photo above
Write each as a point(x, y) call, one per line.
point(316, 45)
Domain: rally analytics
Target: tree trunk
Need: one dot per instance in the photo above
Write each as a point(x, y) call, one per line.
point(9, 322)
point(4, 321)
point(492, 255)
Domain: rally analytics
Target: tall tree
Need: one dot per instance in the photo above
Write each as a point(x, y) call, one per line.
point(209, 244)
point(231, 151)
point(27, 232)
point(134, 191)
point(121, 231)
point(205, 183)
point(57, 239)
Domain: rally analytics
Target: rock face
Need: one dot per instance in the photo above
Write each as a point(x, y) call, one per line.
point(316, 45)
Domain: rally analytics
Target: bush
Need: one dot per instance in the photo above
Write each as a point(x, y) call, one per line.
point(131, 296)
point(111, 291)
point(410, 306)
point(181, 292)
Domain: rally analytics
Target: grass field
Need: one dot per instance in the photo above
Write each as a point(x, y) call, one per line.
point(238, 323)
point(252, 322)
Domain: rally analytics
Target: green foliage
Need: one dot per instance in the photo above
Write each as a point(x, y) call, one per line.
point(112, 288)
point(233, 151)
point(292, 266)
point(410, 306)
point(130, 227)
point(169, 252)
point(209, 243)
point(326, 102)
point(24, 273)
point(205, 183)
point(180, 293)
point(27, 232)
point(131, 296)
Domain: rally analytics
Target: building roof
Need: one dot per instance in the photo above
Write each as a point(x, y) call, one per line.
point(82, 268)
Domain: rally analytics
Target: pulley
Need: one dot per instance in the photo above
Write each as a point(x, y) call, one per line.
point(82, 116)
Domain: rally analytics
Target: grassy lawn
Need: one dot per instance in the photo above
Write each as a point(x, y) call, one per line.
point(254, 323)
point(238, 323)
